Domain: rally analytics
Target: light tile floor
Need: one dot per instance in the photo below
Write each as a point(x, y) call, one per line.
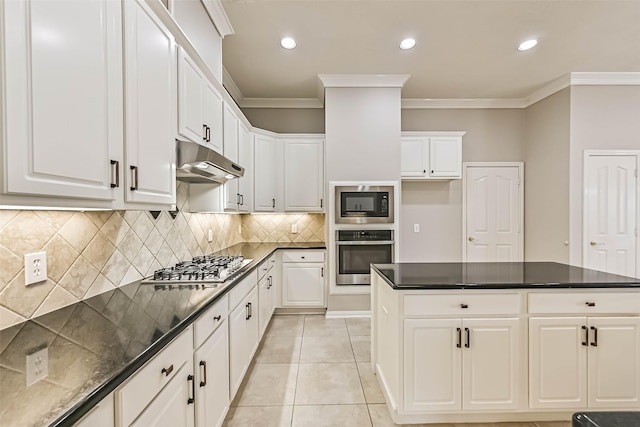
point(314, 372)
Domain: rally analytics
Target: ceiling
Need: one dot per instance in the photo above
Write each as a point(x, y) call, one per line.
point(466, 49)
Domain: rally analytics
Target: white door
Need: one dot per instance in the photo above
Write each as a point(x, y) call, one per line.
point(432, 364)
point(303, 175)
point(491, 364)
point(614, 362)
point(493, 217)
point(558, 362)
point(150, 106)
point(212, 379)
point(610, 213)
point(265, 174)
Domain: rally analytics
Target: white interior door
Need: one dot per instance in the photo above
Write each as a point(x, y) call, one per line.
point(610, 213)
point(493, 220)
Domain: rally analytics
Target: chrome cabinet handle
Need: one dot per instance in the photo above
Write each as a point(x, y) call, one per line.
point(459, 343)
point(191, 398)
point(586, 336)
point(468, 334)
point(320, 202)
point(204, 375)
point(116, 173)
point(321, 271)
point(590, 304)
point(273, 204)
point(464, 305)
point(217, 318)
point(208, 134)
point(246, 309)
point(594, 343)
point(204, 132)
point(242, 199)
point(134, 170)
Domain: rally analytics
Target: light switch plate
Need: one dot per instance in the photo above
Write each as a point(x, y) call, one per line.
point(35, 268)
point(294, 228)
point(416, 228)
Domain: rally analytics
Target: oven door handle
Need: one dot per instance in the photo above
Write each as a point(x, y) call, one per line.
point(352, 243)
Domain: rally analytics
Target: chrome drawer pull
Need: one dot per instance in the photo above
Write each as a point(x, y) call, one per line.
point(464, 305)
point(191, 398)
point(204, 375)
point(167, 371)
point(590, 304)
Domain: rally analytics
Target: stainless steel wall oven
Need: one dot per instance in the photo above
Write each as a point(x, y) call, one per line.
point(357, 249)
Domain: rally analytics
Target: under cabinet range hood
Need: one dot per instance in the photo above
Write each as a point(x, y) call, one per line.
point(199, 164)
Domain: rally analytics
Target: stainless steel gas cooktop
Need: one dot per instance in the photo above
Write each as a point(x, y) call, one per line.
point(206, 271)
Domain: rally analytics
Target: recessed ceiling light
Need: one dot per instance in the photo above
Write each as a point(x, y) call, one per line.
point(407, 44)
point(288, 43)
point(526, 45)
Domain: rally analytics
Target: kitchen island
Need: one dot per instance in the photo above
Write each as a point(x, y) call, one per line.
point(495, 342)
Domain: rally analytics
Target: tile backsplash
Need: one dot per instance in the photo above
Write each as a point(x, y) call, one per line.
point(92, 252)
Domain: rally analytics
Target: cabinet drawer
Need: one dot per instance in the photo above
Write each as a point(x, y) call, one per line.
point(210, 320)
point(263, 269)
point(241, 290)
point(146, 383)
point(584, 302)
point(303, 256)
point(272, 261)
point(461, 304)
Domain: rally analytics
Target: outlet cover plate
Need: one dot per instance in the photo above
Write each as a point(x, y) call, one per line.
point(37, 366)
point(35, 268)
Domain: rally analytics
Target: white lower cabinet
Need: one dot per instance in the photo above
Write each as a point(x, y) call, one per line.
point(454, 364)
point(243, 334)
point(303, 282)
point(212, 379)
point(267, 290)
point(581, 362)
point(101, 415)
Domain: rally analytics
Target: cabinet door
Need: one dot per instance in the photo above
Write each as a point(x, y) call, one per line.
point(273, 292)
point(432, 365)
point(63, 94)
point(265, 174)
point(414, 157)
point(253, 327)
point(231, 195)
point(150, 104)
point(557, 362)
point(213, 118)
point(100, 416)
point(238, 347)
point(212, 379)
point(264, 301)
point(245, 158)
point(491, 362)
point(614, 362)
point(172, 407)
point(190, 99)
point(445, 156)
point(303, 175)
point(303, 285)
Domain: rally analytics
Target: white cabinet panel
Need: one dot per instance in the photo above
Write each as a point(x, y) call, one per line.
point(304, 175)
point(63, 98)
point(230, 132)
point(190, 99)
point(414, 156)
point(150, 103)
point(266, 169)
point(433, 362)
point(303, 285)
point(445, 157)
point(243, 338)
point(245, 159)
point(491, 364)
point(431, 155)
point(211, 362)
point(102, 415)
point(213, 118)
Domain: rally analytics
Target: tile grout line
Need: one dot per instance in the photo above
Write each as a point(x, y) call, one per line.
point(366, 404)
point(295, 392)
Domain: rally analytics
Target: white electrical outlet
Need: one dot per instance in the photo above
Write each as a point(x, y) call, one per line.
point(210, 235)
point(294, 228)
point(239, 228)
point(35, 268)
point(37, 366)
point(416, 228)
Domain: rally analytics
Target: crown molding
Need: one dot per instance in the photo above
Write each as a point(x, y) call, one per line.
point(415, 104)
point(394, 80)
point(219, 17)
point(363, 80)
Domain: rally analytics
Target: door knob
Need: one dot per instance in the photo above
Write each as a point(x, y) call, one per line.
point(471, 239)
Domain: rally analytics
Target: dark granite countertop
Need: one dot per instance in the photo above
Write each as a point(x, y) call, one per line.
point(96, 344)
point(498, 275)
point(606, 419)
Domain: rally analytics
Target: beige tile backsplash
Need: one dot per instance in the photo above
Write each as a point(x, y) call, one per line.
point(92, 252)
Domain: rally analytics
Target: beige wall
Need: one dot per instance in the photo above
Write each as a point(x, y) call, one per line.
point(287, 120)
point(546, 185)
point(602, 117)
point(492, 135)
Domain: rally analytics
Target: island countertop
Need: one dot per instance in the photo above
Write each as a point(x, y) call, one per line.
point(497, 275)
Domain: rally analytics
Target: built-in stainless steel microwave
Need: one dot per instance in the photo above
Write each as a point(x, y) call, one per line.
point(364, 204)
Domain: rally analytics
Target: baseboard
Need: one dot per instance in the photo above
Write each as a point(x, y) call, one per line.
point(347, 314)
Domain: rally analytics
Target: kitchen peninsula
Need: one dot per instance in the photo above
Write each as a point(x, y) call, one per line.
point(492, 342)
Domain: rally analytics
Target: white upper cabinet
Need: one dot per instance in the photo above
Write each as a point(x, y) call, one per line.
point(199, 106)
point(63, 98)
point(266, 171)
point(431, 155)
point(245, 159)
point(150, 89)
point(90, 115)
point(230, 132)
point(304, 175)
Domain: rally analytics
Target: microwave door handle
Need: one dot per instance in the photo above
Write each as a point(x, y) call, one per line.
point(379, 242)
